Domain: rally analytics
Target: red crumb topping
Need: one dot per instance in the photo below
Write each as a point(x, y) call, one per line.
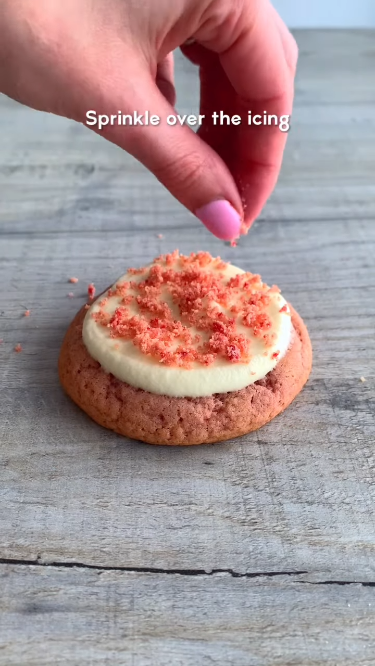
point(205, 299)
point(137, 271)
point(74, 280)
point(275, 355)
point(233, 243)
point(26, 313)
point(18, 348)
point(284, 308)
point(91, 291)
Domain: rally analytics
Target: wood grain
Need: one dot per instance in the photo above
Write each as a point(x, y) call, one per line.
point(294, 498)
point(76, 616)
point(56, 174)
point(140, 505)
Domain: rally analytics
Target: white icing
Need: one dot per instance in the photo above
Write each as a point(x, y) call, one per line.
point(126, 362)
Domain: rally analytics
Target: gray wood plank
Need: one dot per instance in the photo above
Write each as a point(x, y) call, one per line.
point(297, 495)
point(57, 174)
point(335, 66)
point(78, 616)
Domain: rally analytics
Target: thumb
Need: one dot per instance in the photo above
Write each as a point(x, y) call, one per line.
point(190, 169)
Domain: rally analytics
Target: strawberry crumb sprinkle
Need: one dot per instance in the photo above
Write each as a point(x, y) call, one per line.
point(91, 291)
point(74, 280)
point(18, 348)
point(207, 301)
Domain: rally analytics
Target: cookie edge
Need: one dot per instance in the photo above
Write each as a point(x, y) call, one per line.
point(67, 375)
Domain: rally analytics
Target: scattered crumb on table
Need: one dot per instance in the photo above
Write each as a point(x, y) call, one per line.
point(74, 280)
point(26, 313)
point(362, 379)
point(70, 295)
point(18, 348)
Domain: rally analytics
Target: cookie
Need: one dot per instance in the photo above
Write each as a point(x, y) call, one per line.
point(145, 359)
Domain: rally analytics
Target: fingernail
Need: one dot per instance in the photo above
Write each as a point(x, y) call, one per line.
point(221, 219)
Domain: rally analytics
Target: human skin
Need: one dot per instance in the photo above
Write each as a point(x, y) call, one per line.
point(67, 57)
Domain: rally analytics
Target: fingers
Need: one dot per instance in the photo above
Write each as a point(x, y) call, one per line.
point(258, 70)
point(289, 43)
point(254, 72)
point(165, 79)
point(188, 167)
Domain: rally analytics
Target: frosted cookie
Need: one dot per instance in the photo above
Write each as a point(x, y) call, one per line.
point(187, 350)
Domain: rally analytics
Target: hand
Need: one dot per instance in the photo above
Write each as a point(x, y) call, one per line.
point(68, 57)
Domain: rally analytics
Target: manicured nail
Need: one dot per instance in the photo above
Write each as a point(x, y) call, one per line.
point(221, 219)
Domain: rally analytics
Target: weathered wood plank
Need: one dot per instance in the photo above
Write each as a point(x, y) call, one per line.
point(335, 66)
point(80, 616)
point(326, 269)
point(297, 495)
point(57, 174)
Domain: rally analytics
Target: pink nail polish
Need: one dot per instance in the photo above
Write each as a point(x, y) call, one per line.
point(221, 219)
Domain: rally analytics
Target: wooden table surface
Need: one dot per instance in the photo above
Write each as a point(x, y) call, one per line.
point(253, 552)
